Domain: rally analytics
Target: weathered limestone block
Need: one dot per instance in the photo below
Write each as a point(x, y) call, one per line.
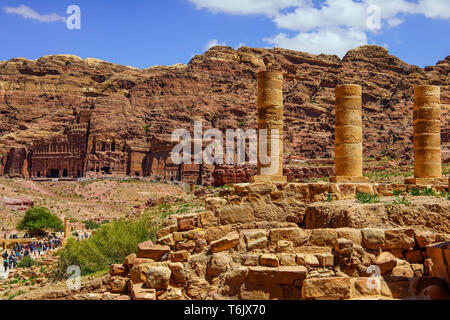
point(318, 191)
point(166, 241)
point(296, 235)
point(373, 238)
point(215, 233)
point(233, 281)
point(208, 219)
point(270, 117)
point(186, 224)
point(163, 232)
point(189, 235)
point(364, 188)
point(297, 192)
point(310, 260)
point(231, 240)
point(178, 273)
point(250, 259)
point(288, 259)
point(218, 264)
point(386, 261)
point(338, 288)
point(179, 256)
point(348, 134)
point(158, 278)
point(172, 294)
point(214, 204)
point(363, 289)
point(118, 284)
point(129, 260)
point(140, 292)
point(285, 246)
point(197, 289)
point(404, 270)
point(400, 238)
point(323, 237)
point(278, 276)
point(425, 238)
point(188, 245)
point(269, 260)
point(355, 235)
point(255, 239)
point(261, 188)
point(155, 252)
point(138, 274)
point(236, 214)
point(343, 247)
point(440, 255)
point(118, 270)
point(340, 215)
point(326, 260)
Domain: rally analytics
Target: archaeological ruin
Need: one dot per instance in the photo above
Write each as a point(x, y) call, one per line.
point(270, 117)
point(78, 153)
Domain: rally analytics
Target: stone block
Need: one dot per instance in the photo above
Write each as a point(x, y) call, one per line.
point(338, 288)
point(231, 240)
point(295, 235)
point(373, 238)
point(268, 260)
point(155, 252)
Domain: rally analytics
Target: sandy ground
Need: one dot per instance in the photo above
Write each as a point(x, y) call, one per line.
point(81, 200)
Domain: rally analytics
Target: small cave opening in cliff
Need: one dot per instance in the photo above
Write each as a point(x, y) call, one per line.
point(65, 173)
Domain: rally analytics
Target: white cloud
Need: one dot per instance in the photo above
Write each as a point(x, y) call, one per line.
point(244, 7)
point(333, 41)
point(334, 26)
point(29, 13)
point(213, 43)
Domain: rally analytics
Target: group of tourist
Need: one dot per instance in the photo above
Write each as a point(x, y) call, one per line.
point(82, 236)
point(35, 248)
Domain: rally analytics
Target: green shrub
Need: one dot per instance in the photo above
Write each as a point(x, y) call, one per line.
point(363, 197)
point(91, 225)
point(402, 200)
point(37, 219)
point(429, 192)
point(414, 192)
point(26, 262)
point(109, 245)
point(397, 193)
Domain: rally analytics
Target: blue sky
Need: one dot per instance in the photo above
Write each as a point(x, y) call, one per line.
point(142, 33)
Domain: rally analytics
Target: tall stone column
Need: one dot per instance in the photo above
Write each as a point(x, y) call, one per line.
point(270, 117)
point(427, 136)
point(66, 228)
point(348, 134)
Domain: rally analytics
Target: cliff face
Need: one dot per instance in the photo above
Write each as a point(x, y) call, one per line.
point(38, 98)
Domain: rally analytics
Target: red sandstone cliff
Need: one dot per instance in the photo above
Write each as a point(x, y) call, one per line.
point(38, 98)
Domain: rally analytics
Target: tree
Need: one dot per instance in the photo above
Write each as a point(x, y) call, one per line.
point(37, 219)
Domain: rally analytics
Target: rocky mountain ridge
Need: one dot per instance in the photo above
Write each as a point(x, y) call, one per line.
point(38, 98)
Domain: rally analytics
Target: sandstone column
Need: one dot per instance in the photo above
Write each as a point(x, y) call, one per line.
point(270, 117)
point(66, 228)
point(427, 136)
point(348, 134)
